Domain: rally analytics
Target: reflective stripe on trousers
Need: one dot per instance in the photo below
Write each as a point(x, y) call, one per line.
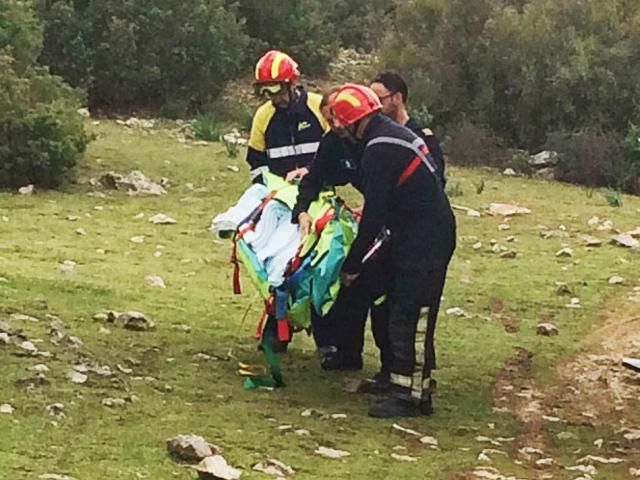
point(416, 383)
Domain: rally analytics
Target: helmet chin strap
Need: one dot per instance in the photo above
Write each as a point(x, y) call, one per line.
point(352, 130)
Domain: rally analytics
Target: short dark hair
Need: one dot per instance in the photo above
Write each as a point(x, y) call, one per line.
point(327, 96)
point(394, 83)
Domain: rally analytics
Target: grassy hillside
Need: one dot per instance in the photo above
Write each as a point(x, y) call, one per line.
point(170, 389)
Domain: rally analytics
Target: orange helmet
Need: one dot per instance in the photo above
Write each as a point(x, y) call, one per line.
point(276, 66)
point(353, 102)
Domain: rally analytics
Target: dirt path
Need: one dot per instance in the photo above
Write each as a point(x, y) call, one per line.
point(591, 392)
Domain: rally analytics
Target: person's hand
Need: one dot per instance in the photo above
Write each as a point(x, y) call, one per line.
point(296, 174)
point(347, 279)
point(304, 220)
point(357, 212)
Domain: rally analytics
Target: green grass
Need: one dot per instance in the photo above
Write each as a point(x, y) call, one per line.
point(207, 397)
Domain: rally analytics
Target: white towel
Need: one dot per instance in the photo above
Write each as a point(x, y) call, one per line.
point(227, 222)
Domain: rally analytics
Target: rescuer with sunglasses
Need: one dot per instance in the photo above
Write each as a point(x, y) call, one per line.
point(287, 129)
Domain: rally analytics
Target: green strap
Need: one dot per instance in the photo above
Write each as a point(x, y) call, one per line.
point(268, 340)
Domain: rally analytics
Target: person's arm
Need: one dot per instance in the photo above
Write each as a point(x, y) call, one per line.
point(313, 182)
point(379, 179)
point(257, 147)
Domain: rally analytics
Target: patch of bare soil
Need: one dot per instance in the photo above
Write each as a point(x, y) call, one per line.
point(591, 388)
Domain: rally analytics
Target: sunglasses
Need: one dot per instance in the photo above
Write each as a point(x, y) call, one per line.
point(268, 89)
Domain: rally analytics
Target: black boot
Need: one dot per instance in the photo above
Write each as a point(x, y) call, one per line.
point(426, 406)
point(378, 384)
point(336, 360)
point(394, 406)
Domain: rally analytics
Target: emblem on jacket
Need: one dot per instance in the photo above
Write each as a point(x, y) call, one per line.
point(303, 125)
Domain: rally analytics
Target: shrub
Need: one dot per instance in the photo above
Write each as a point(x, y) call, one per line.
point(41, 134)
point(470, 145)
point(144, 54)
point(206, 127)
point(302, 28)
point(20, 33)
point(591, 157)
point(521, 68)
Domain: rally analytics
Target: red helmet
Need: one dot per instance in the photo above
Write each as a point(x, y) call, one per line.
point(353, 102)
point(276, 66)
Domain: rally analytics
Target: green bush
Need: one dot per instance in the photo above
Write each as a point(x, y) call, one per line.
point(522, 68)
point(41, 134)
point(470, 145)
point(206, 127)
point(20, 33)
point(596, 159)
point(304, 29)
point(132, 55)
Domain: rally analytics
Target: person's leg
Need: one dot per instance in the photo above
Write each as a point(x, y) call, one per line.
point(379, 383)
point(322, 330)
point(411, 327)
point(380, 329)
point(348, 317)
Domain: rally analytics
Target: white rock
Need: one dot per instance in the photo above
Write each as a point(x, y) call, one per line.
point(403, 458)
point(218, 468)
point(40, 368)
point(190, 448)
point(484, 458)
point(634, 472)
point(477, 245)
point(154, 281)
point(590, 241)
point(77, 377)
point(427, 440)
point(633, 435)
point(55, 476)
point(606, 226)
point(593, 221)
point(598, 443)
point(625, 240)
point(67, 266)
point(113, 402)
point(27, 190)
point(137, 239)
point(510, 172)
point(469, 211)
point(162, 219)
point(586, 469)
point(547, 329)
point(507, 210)
point(274, 467)
point(565, 252)
point(331, 452)
point(545, 462)
point(7, 409)
point(21, 317)
point(81, 231)
point(4, 338)
point(616, 280)
point(503, 226)
point(455, 311)
point(590, 459)
point(84, 112)
point(28, 346)
point(402, 429)
point(233, 168)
